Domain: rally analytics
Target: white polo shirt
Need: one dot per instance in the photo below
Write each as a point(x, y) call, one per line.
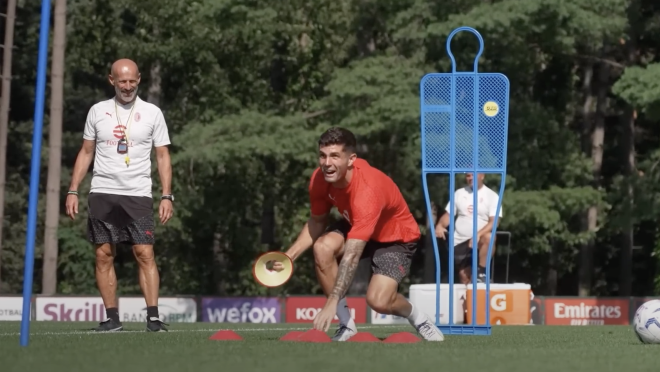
point(486, 208)
point(145, 130)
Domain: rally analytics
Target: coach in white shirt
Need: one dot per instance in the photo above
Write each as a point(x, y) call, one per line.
point(119, 134)
point(463, 226)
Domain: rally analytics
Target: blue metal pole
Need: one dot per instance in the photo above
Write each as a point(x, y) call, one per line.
point(35, 168)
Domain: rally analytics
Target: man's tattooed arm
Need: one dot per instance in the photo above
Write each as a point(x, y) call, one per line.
point(347, 267)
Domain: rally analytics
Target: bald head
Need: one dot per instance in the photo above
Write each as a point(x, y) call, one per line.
point(125, 77)
point(124, 66)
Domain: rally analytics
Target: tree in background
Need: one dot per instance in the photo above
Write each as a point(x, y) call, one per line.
point(53, 187)
point(247, 89)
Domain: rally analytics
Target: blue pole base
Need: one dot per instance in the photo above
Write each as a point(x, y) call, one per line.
point(478, 330)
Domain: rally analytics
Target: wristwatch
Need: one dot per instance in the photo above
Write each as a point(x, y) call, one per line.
point(168, 197)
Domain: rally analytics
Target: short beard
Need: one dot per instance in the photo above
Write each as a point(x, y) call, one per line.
point(120, 98)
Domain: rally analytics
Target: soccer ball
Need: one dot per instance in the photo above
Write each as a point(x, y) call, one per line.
point(647, 322)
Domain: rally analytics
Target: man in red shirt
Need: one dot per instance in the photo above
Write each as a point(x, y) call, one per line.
point(376, 223)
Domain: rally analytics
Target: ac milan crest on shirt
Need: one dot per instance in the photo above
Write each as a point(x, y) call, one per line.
point(119, 131)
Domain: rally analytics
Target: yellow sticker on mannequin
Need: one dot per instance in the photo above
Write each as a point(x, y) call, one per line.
point(491, 109)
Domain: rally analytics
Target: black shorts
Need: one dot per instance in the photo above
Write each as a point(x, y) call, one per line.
point(390, 259)
point(463, 255)
point(120, 219)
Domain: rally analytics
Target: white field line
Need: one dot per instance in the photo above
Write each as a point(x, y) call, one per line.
point(74, 333)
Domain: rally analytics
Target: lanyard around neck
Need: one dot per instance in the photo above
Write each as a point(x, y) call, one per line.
point(125, 129)
point(128, 124)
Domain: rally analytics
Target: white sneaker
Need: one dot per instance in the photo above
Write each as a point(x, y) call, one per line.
point(428, 330)
point(344, 332)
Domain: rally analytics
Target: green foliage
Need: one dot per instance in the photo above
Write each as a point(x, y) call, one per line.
point(640, 87)
point(247, 87)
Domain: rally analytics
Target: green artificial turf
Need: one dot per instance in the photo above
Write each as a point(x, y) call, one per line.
point(71, 347)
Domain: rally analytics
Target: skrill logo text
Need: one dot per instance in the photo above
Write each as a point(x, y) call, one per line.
point(243, 314)
point(63, 313)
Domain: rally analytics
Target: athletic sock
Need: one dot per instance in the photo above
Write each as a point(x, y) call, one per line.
point(152, 311)
point(343, 313)
point(416, 316)
point(112, 313)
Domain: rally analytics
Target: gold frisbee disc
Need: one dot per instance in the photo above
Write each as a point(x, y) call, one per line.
point(271, 278)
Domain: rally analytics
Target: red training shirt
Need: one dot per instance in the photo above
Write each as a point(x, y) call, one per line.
point(371, 203)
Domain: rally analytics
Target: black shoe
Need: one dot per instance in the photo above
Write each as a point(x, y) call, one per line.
point(109, 325)
point(481, 274)
point(481, 277)
point(156, 325)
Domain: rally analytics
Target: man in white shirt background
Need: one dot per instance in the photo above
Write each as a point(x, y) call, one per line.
point(119, 135)
point(464, 224)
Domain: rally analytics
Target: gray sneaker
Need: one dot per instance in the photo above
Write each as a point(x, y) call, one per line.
point(344, 332)
point(428, 330)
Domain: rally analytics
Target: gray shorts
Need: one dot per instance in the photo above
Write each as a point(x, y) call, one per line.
point(391, 259)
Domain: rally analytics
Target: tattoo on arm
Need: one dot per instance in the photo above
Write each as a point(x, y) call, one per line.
point(348, 266)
